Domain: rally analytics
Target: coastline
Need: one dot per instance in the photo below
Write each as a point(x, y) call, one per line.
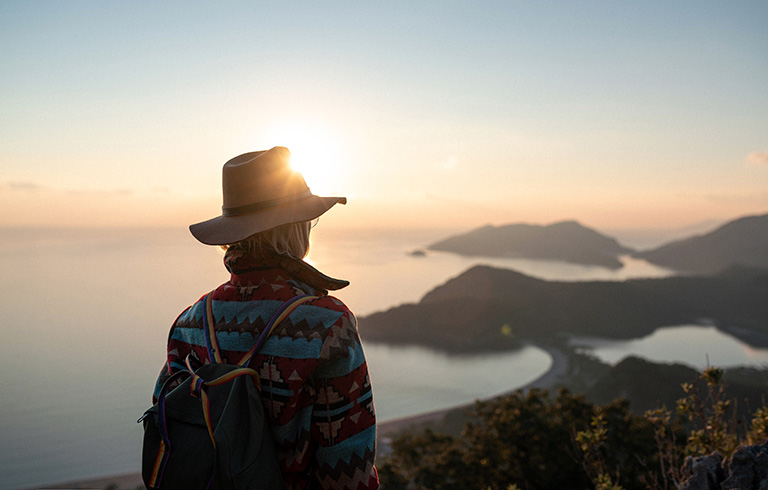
point(386, 430)
point(559, 368)
point(127, 481)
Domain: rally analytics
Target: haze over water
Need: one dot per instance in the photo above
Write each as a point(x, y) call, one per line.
point(82, 348)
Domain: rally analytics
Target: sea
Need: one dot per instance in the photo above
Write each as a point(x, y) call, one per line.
point(85, 315)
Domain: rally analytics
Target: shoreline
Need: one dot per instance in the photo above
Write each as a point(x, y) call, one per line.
point(385, 430)
point(559, 367)
point(126, 481)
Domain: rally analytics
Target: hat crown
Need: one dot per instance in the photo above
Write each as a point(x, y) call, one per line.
point(260, 176)
point(260, 192)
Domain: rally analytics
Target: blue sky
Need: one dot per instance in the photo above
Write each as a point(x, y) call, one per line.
point(619, 114)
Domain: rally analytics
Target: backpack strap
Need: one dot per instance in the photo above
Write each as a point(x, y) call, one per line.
point(214, 353)
point(212, 344)
point(164, 450)
point(280, 315)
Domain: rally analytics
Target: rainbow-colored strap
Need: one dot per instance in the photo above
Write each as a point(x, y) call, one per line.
point(280, 315)
point(214, 352)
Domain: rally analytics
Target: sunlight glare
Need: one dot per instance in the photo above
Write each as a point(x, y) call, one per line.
point(316, 154)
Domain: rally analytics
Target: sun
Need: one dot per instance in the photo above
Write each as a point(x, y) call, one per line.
point(316, 154)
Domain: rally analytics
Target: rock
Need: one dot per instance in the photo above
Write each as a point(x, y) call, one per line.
point(703, 472)
point(747, 469)
point(761, 468)
point(741, 470)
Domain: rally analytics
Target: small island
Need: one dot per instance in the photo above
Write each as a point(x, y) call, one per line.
point(741, 242)
point(566, 241)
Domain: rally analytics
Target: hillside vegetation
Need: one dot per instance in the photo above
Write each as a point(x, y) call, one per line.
point(534, 440)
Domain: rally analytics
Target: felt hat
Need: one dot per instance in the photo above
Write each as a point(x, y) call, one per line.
point(260, 192)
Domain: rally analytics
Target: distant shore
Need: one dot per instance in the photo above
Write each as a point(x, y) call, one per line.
point(746, 335)
point(386, 430)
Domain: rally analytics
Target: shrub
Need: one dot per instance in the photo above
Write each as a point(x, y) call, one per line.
point(534, 441)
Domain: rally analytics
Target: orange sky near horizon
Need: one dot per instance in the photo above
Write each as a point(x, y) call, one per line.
point(36, 207)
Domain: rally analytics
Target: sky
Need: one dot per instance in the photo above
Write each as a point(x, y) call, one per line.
point(618, 114)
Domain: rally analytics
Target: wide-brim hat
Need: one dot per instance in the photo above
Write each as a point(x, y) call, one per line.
point(261, 191)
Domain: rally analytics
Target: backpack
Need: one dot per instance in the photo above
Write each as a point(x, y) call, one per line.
point(210, 431)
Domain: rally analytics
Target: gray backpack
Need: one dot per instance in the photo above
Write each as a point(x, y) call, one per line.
point(210, 431)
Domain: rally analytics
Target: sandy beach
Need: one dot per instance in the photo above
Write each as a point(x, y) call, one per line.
point(386, 431)
point(130, 481)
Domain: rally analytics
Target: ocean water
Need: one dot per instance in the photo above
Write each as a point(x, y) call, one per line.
point(699, 346)
point(85, 315)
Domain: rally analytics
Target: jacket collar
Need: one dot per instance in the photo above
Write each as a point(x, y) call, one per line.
point(240, 262)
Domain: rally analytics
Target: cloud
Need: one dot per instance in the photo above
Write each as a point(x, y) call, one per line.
point(29, 186)
point(100, 192)
point(24, 186)
point(758, 158)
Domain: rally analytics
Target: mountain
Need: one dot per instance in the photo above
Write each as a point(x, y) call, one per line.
point(490, 309)
point(568, 241)
point(648, 385)
point(740, 242)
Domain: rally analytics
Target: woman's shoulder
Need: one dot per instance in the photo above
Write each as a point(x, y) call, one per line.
point(330, 303)
point(328, 313)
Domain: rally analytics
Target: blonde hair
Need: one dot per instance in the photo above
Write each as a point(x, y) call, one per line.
point(291, 239)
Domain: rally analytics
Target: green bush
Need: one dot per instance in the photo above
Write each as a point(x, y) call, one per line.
point(536, 441)
point(528, 440)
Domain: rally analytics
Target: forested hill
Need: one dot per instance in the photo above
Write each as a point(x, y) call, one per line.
point(740, 242)
point(568, 241)
point(488, 309)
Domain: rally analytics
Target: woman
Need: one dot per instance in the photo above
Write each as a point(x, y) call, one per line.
point(314, 378)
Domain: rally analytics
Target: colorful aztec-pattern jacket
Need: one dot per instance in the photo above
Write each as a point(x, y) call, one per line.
point(314, 377)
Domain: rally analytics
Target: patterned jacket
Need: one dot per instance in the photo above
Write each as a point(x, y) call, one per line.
point(314, 377)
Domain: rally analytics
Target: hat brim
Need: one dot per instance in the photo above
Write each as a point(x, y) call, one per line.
point(226, 230)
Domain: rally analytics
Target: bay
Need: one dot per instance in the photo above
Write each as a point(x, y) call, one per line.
point(698, 346)
point(411, 380)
